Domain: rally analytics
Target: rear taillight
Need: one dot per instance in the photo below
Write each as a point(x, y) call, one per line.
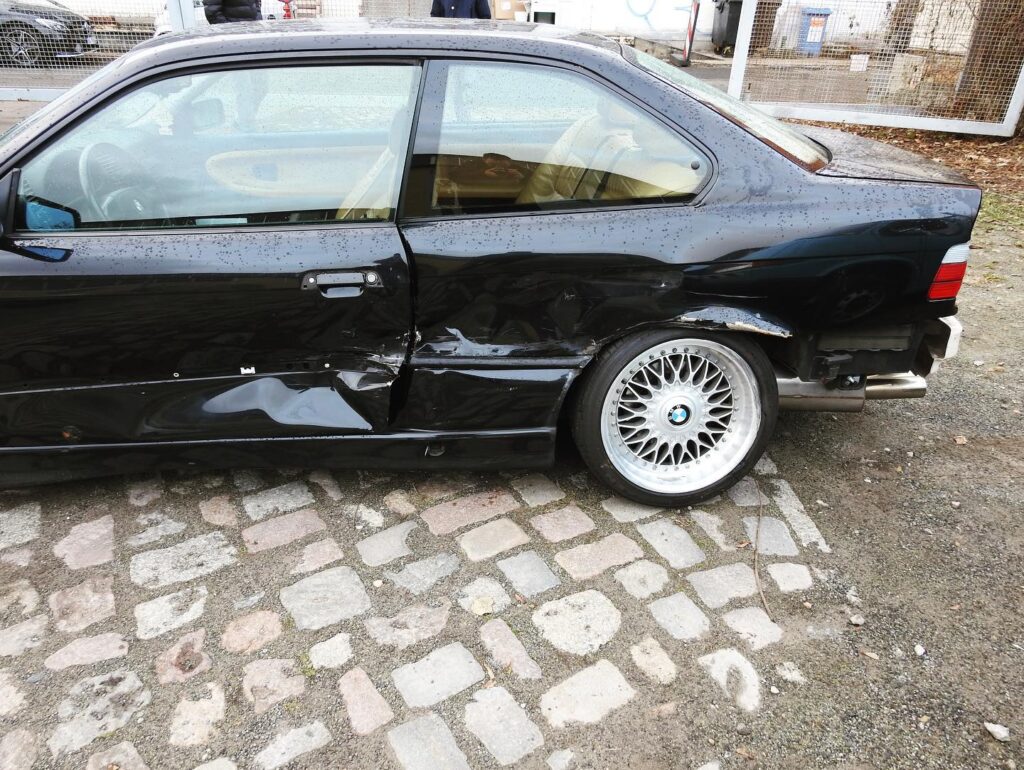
point(950, 275)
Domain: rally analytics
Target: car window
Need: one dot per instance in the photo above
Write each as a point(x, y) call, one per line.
point(766, 128)
point(275, 146)
point(520, 137)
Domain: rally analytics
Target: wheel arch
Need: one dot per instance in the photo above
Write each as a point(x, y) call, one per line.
point(765, 329)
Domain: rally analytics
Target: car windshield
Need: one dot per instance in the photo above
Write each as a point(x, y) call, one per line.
point(787, 140)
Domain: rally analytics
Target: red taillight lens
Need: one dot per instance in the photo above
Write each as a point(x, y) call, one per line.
point(950, 275)
point(954, 272)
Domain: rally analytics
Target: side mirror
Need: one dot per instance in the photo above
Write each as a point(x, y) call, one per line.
point(42, 216)
point(204, 114)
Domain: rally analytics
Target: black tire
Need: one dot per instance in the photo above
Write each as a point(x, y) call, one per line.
point(602, 374)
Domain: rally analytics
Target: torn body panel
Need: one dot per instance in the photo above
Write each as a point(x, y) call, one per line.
point(177, 335)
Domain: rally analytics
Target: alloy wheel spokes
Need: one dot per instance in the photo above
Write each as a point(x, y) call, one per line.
point(644, 430)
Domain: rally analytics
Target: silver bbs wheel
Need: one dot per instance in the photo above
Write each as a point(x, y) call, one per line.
point(681, 416)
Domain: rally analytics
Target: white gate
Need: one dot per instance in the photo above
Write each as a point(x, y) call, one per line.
point(941, 65)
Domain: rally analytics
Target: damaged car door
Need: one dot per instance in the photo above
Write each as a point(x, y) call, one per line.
point(211, 256)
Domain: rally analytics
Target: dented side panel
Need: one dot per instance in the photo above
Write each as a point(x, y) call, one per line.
point(186, 334)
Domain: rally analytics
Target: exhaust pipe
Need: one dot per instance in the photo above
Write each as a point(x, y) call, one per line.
point(797, 395)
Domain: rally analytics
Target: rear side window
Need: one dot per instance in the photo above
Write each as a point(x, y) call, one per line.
point(275, 146)
point(520, 137)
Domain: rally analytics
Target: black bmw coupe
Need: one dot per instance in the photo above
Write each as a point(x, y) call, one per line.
point(437, 244)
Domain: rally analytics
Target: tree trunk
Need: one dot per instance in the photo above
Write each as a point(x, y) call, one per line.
point(994, 62)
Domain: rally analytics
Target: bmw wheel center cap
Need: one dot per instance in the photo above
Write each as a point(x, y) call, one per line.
point(679, 415)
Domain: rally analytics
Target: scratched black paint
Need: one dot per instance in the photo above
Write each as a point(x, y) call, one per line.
point(130, 351)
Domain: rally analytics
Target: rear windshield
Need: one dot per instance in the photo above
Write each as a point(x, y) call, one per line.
point(785, 139)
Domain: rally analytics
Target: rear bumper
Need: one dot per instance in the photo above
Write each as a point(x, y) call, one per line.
point(848, 394)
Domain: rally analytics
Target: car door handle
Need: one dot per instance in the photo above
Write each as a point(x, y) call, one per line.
point(337, 285)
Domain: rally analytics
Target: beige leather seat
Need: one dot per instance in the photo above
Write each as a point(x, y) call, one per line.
point(602, 159)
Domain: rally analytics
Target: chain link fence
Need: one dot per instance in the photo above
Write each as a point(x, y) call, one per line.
point(956, 63)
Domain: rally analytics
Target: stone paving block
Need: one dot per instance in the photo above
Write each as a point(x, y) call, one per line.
point(536, 489)
point(793, 510)
point(157, 526)
point(82, 605)
point(194, 721)
point(326, 481)
point(88, 544)
point(366, 707)
point(528, 573)
point(88, 650)
point(282, 530)
point(145, 491)
point(502, 725)
point(221, 763)
point(561, 759)
point(291, 745)
point(20, 525)
point(20, 593)
point(219, 511)
point(651, 658)
point(317, 556)
point(411, 625)
point(563, 524)
point(746, 493)
point(364, 514)
point(251, 632)
point(774, 538)
point(445, 518)
point(441, 674)
point(672, 542)
point(712, 526)
point(325, 598)
point(282, 499)
point(507, 651)
point(397, 501)
point(331, 653)
point(642, 579)
point(17, 557)
point(579, 623)
point(160, 615)
point(384, 547)
point(492, 538)
point(591, 559)
point(426, 743)
point(791, 577)
point(680, 617)
point(184, 660)
point(765, 467)
point(184, 561)
point(586, 697)
point(246, 479)
point(420, 576)
point(717, 587)
point(735, 676)
point(18, 749)
point(12, 699)
point(268, 682)
point(626, 511)
point(17, 639)
point(754, 625)
point(484, 596)
point(123, 756)
point(95, 706)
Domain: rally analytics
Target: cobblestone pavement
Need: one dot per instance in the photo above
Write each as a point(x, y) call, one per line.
point(261, 619)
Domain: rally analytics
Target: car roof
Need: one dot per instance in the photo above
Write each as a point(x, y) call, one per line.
point(282, 36)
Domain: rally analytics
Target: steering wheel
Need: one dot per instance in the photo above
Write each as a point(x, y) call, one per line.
point(112, 181)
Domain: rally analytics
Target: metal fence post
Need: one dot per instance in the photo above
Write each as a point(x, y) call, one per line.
point(742, 50)
point(182, 14)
